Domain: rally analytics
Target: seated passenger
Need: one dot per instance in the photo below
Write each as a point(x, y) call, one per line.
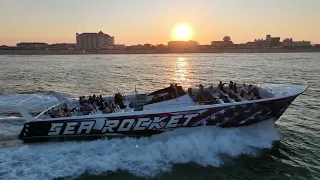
point(200, 97)
point(190, 93)
point(78, 112)
point(104, 109)
point(256, 93)
point(235, 89)
point(101, 98)
point(99, 102)
point(81, 101)
point(87, 108)
point(249, 88)
point(59, 113)
point(220, 86)
point(118, 99)
point(247, 96)
point(244, 90)
point(231, 85)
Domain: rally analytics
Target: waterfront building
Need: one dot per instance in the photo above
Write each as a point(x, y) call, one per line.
point(225, 43)
point(116, 46)
point(289, 43)
point(93, 40)
point(269, 42)
point(32, 45)
point(182, 44)
point(63, 46)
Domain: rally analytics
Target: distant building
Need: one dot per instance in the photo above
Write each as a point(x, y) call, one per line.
point(182, 44)
point(289, 43)
point(117, 46)
point(225, 43)
point(5, 47)
point(275, 42)
point(32, 45)
point(93, 40)
point(269, 42)
point(63, 46)
point(250, 45)
point(317, 45)
point(134, 47)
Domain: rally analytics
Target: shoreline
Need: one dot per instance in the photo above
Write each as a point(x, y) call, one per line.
point(155, 51)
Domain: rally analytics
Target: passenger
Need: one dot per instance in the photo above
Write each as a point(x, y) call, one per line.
point(244, 88)
point(220, 86)
point(200, 95)
point(87, 108)
point(104, 109)
point(256, 93)
point(231, 85)
point(99, 102)
point(81, 101)
point(54, 114)
point(101, 98)
point(113, 107)
point(235, 89)
point(90, 99)
point(250, 88)
point(81, 110)
point(247, 96)
point(93, 106)
point(78, 112)
point(67, 112)
point(200, 88)
point(59, 113)
point(190, 93)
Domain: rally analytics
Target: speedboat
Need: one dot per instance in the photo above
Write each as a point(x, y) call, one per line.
point(145, 114)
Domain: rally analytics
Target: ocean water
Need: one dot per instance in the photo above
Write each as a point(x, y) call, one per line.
point(289, 149)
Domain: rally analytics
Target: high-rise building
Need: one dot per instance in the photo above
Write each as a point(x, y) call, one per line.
point(93, 40)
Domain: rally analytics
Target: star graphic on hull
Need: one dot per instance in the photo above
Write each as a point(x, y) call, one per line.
point(204, 123)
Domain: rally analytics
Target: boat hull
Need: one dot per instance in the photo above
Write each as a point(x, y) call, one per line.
point(230, 115)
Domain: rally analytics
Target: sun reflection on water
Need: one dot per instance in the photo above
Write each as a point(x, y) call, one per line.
point(181, 74)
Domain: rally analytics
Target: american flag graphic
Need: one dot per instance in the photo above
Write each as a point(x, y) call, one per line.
point(237, 115)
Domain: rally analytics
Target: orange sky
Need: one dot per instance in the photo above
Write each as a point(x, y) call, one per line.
point(143, 21)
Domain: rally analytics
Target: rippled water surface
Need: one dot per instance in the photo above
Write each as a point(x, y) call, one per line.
point(288, 150)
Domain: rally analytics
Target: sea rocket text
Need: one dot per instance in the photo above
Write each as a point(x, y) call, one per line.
point(111, 126)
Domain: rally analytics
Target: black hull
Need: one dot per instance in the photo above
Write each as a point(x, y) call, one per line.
point(229, 115)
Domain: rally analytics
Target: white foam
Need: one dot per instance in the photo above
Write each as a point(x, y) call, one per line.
point(36, 102)
point(202, 145)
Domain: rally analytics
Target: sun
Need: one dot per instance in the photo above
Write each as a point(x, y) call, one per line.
point(182, 32)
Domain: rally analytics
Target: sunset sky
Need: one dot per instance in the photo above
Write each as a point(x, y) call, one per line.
point(149, 21)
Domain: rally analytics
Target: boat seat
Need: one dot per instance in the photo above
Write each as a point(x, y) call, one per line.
point(217, 98)
point(226, 98)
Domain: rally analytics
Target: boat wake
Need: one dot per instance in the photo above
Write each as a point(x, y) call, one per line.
point(146, 156)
